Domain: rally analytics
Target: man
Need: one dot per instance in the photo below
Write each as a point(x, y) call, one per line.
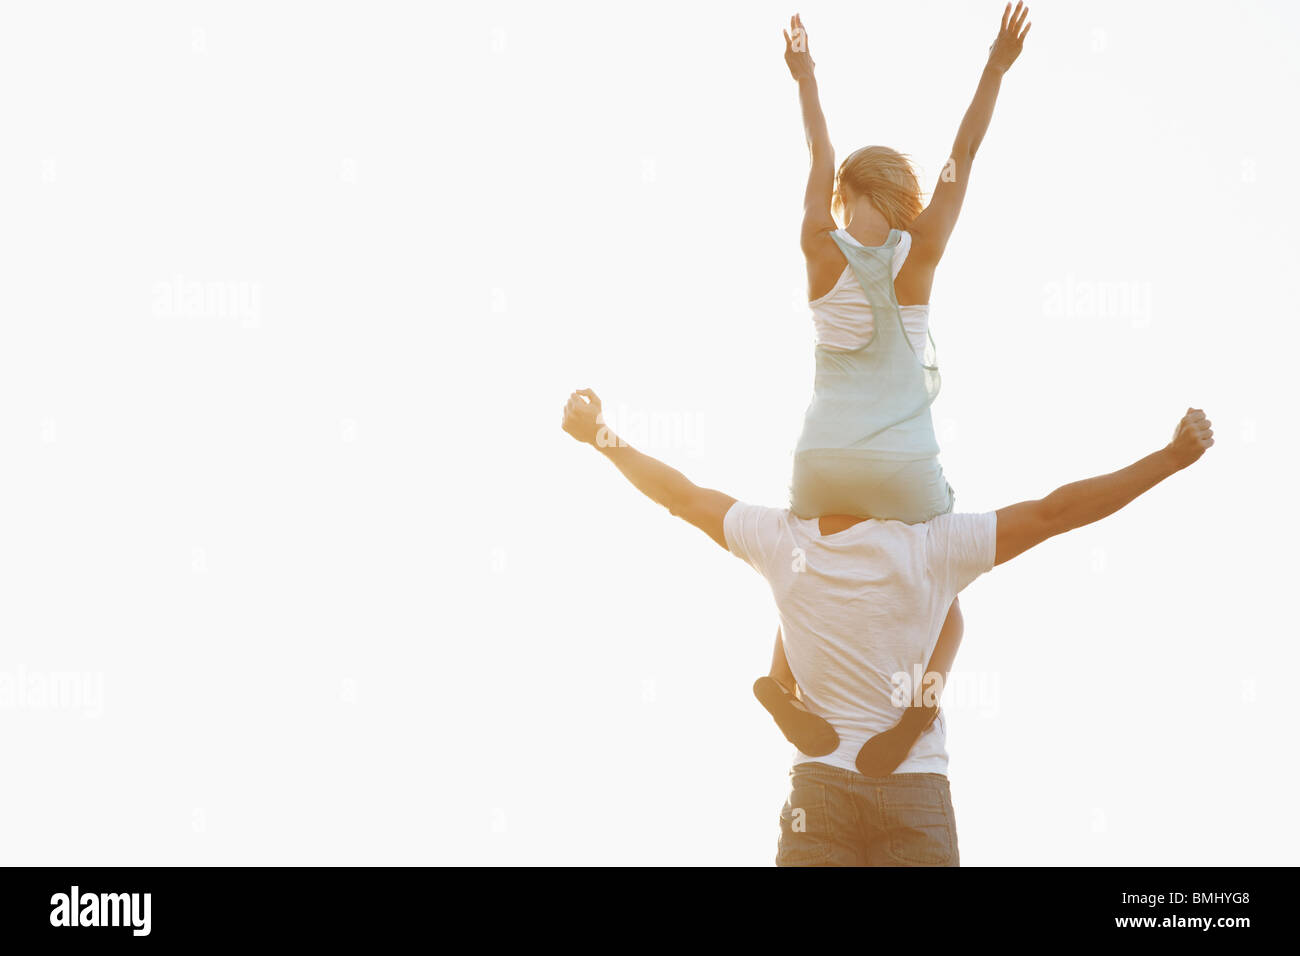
point(859, 601)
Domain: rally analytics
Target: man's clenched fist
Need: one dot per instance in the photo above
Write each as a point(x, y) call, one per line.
point(1192, 437)
point(582, 416)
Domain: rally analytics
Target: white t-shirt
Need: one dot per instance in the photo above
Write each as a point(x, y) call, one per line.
point(861, 606)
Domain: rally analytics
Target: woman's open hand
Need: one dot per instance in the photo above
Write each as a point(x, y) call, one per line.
point(1011, 37)
point(797, 57)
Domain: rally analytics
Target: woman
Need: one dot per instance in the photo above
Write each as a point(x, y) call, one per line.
point(867, 447)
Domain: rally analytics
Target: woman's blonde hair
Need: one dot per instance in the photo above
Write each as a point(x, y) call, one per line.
point(885, 177)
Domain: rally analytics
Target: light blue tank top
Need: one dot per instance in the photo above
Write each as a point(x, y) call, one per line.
point(874, 400)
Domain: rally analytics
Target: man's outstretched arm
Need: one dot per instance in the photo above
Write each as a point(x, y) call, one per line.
point(1023, 525)
point(667, 486)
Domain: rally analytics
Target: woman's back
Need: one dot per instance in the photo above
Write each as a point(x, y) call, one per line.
point(872, 397)
point(842, 317)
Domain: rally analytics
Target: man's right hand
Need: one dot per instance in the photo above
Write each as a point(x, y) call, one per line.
point(1191, 438)
point(582, 417)
point(662, 484)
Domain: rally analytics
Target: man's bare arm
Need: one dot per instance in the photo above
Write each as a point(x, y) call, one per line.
point(1023, 525)
point(702, 507)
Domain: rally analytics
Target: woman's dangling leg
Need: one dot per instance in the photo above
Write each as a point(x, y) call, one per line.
point(780, 671)
point(881, 755)
point(813, 735)
point(944, 653)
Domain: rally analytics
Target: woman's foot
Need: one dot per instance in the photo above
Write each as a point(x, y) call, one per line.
point(810, 733)
point(881, 755)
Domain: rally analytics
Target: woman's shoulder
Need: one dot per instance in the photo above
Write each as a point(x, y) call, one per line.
point(901, 250)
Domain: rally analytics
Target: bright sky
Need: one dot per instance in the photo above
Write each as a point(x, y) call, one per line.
point(295, 296)
point(1111, 267)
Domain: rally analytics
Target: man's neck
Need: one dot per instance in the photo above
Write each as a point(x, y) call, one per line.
point(834, 524)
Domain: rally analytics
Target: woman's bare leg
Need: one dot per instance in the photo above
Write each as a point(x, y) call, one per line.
point(780, 671)
point(945, 651)
point(881, 755)
point(813, 735)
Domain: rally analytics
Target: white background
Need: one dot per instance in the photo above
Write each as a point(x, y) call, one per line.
point(292, 295)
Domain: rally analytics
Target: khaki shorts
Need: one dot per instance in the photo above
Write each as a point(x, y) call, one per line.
point(846, 482)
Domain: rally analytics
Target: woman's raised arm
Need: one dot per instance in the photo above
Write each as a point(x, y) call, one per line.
point(931, 229)
point(817, 218)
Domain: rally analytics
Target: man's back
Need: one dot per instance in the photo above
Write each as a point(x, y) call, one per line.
point(859, 607)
